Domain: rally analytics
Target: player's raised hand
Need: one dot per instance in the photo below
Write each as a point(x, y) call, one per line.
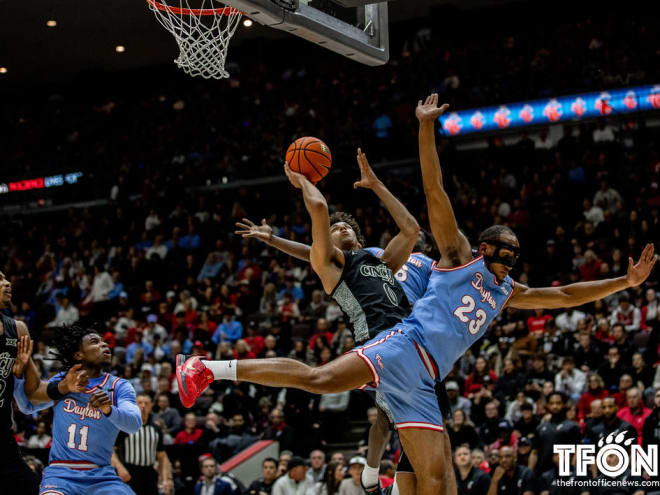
point(640, 271)
point(101, 400)
point(429, 109)
point(76, 379)
point(25, 346)
point(247, 228)
point(295, 178)
point(368, 178)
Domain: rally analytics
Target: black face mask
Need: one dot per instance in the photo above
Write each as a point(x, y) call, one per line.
point(503, 259)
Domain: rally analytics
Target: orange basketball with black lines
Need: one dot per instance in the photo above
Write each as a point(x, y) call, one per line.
point(311, 157)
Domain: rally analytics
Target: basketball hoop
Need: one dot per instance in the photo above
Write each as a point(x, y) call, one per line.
point(202, 34)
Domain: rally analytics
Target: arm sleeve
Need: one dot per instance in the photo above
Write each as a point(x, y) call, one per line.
point(24, 405)
point(125, 415)
point(159, 445)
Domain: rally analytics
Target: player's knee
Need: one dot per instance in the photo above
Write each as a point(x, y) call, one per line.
point(431, 483)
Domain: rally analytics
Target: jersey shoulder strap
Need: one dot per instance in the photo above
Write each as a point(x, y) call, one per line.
point(9, 326)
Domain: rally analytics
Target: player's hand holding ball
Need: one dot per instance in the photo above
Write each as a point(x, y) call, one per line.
point(101, 400)
point(297, 180)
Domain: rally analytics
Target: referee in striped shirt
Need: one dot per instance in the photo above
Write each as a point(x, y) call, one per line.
point(140, 452)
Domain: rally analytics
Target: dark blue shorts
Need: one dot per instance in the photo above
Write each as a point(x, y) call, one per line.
point(405, 374)
point(59, 480)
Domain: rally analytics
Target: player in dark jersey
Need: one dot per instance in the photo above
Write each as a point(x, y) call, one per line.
point(413, 277)
point(15, 350)
point(362, 281)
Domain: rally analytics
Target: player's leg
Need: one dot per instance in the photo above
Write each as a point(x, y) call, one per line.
point(379, 435)
point(450, 474)
point(426, 450)
point(347, 372)
point(405, 479)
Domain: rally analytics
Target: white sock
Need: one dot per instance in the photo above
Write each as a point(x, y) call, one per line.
point(222, 370)
point(370, 476)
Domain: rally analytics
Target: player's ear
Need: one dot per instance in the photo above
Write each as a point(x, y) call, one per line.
point(483, 248)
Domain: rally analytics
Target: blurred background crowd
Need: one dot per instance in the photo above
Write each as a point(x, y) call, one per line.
point(159, 268)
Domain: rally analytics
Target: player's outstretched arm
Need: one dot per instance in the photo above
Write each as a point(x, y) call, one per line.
point(264, 232)
point(584, 292)
point(324, 256)
point(399, 248)
point(32, 388)
point(453, 245)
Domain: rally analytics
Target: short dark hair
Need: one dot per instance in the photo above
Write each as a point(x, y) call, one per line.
point(145, 394)
point(494, 233)
point(558, 394)
point(270, 459)
point(342, 216)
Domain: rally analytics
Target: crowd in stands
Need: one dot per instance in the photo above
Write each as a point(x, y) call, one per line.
point(165, 274)
point(169, 130)
point(164, 277)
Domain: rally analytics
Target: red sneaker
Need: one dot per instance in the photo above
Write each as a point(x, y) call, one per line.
point(193, 378)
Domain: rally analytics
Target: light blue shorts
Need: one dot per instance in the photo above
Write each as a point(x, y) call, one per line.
point(66, 481)
point(405, 374)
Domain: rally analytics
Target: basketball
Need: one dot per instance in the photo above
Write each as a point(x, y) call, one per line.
point(309, 156)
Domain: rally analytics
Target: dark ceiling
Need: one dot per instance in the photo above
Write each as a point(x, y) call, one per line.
point(87, 33)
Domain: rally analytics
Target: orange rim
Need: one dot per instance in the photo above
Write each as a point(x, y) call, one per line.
point(180, 11)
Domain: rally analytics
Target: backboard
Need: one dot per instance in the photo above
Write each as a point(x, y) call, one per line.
point(363, 37)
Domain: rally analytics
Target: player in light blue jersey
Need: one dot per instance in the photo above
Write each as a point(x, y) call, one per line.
point(463, 297)
point(86, 423)
point(415, 273)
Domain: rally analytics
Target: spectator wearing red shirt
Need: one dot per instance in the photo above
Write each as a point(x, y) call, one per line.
point(650, 314)
point(590, 269)
point(149, 289)
point(386, 473)
point(635, 413)
point(190, 434)
point(288, 309)
point(475, 380)
point(206, 326)
point(322, 329)
point(621, 395)
point(243, 350)
point(595, 391)
point(256, 342)
point(536, 323)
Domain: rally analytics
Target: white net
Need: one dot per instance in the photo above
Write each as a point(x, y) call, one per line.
point(202, 32)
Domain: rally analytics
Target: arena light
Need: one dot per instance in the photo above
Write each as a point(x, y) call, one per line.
point(120, 48)
point(51, 23)
point(552, 110)
point(3, 70)
point(247, 23)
